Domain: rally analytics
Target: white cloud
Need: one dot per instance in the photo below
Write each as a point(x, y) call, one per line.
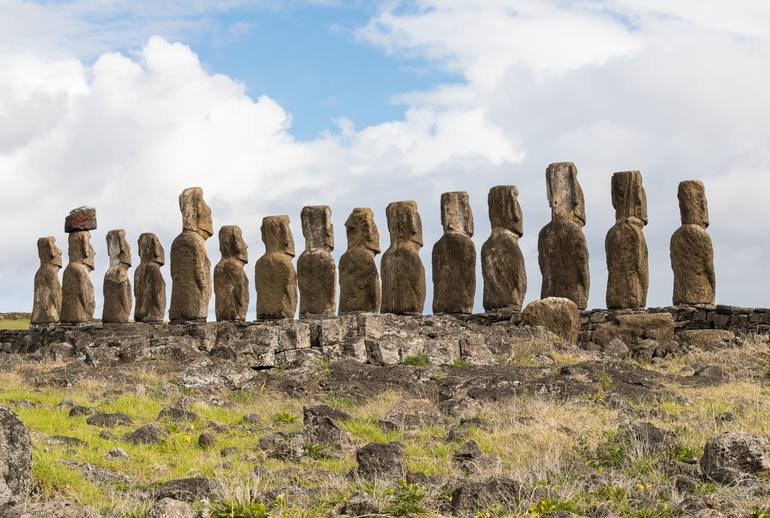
point(620, 85)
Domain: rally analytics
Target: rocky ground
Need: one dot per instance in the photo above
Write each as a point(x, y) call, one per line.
point(558, 431)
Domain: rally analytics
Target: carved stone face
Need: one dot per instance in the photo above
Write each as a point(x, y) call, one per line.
point(80, 249)
point(362, 231)
point(456, 214)
point(692, 203)
point(404, 222)
point(276, 234)
point(48, 252)
point(151, 250)
point(564, 192)
point(118, 248)
point(317, 227)
point(629, 197)
point(504, 209)
point(196, 215)
point(232, 245)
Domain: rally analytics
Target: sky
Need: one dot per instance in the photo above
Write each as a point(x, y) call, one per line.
point(272, 105)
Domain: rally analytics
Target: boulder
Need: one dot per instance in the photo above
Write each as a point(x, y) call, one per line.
point(147, 434)
point(109, 419)
point(15, 454)
point(558, 315)
point(472, 461)
point(56, 508)
point(471, 497)
point(188, 489)
point(411, 414)
point(170, 508)
point(731, 457)
point(378, 461)
point(708, 339)
point(646, 334)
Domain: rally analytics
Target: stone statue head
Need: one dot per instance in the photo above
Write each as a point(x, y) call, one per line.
point(276, 234)
point(504, 209)
point(362, 231)
point(317, 227)
point(629, 197)
point(196, 215)
point(565, 195)
point(456, 214)
point(692, 203)
point(118, 248)
point(80, 249)
point(404, 223)
point(232, 245)
point(48, 252)
point(150, 249)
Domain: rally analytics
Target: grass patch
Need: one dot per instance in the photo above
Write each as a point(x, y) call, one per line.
point(419, 360)
point(14, 324)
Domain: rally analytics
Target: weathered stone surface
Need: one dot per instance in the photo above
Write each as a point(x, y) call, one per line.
point(15, 455)
point(454, 257)
point(625, 246)
point(190, 489)
point(403, 275)
point(382, 461)
point(231, 284)
point(411, 414)
point(359, 280)
point(316, 272)
point(149, 285)
point(734, 456)
point(80, 219)
point(708, 339)
point(502, 263)
point(190, 265)
point(692, 253)
point(470, 497)
point(78, 302)
point(146, 434)
point(275, 278)
point(105, 419)
point(562, 248)
point(170, 508)
point(646, 334)
point(117, 286)
point(46, 306)
point(56, 508)
point(558, 315)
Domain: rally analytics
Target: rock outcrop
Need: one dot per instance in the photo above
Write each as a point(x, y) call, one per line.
point(15, 455)
point(732, 457)
point(454, 257)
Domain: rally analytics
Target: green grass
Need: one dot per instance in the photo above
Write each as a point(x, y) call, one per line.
point(419, 360)
point(14, 324)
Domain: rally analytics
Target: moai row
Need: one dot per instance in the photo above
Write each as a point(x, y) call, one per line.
point(360, 290)
point(231, 284)
point(403, 275)
point(117, 287)
point(46, 305)
point(454, 257)
point(275, 277)
point(149, 285)
point(316, 271)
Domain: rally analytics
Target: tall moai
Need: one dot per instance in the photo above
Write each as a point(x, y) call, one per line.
point(231, 284)
point(46, 305)
point(78, 301)
point(117, 286)
point(454, 257)
point(692, 253)
point(149, 285)
point(359, 280)
point(502, 263)
point(562, 248)
point(625, 246)
point(403, 275)
point(316, 272)
point(275, 278)
point(190, 265)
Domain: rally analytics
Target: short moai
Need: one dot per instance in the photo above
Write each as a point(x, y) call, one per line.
point(78, 301)
point(359, 280)
point(403, 275)
point(46, 305)
point(502, 263)
point(625, 246)
point(316, 272)
point(275, 277)
point(231, 284)
point(562, 248)
point(692, 253)
point(454, 257)
point(190, 265)
point(149, 285)
point(117, 286)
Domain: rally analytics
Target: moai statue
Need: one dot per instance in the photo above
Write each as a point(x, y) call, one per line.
point(78, 302)
point(316, 272)
point(562, 248)
point(625, 246)
point(692, 254)
point(190, 265)
point(231, 284)
point(275, 278)
point(359, 280)
point(117, 286)
point(403, 275)
point(502, 263)
point(46, 306)
point(454, 257)
point(149, 286)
